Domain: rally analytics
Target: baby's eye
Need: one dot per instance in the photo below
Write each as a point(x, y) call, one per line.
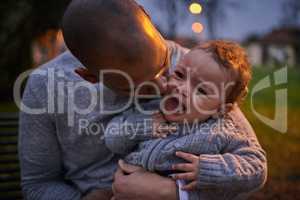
point(179, 74)
point(201, 91)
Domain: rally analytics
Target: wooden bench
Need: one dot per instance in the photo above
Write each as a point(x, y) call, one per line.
point(9, 164)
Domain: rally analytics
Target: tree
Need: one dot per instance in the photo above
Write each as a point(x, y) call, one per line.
point(172, 9)
point(291, 13)
point(21, 22)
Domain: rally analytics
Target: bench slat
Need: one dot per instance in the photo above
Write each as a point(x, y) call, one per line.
point(15, 196)
point(10, 188)
point(9, 161)
point(9, 170)
point(8, 133)
point(9, 115)
point(8, 143)
point(8, 152)
point(5, 179)
point(9, 124)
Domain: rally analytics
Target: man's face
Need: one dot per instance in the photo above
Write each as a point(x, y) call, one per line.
point(195, 89)
point(128, 43)
point(128, 82)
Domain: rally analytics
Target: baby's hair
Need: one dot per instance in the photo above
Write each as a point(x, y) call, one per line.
point(233, 57)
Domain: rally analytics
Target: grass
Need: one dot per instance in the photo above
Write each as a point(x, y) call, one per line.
point(283, 150)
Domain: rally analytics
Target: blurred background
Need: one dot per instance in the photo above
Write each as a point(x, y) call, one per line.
point(269, 29)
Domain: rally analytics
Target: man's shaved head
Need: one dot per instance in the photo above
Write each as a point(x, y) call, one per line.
point(114, 34)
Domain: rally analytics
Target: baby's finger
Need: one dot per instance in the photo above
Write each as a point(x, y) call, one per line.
point(185, 176)
point(190, 186)
point(157, 135)
point(186, 156)
point(168, 129)
point(186, 167)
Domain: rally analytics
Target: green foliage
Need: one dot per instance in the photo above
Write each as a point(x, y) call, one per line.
point(21, 22)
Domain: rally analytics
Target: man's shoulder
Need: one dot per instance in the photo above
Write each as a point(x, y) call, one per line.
point(64, 61)
point(63, 64)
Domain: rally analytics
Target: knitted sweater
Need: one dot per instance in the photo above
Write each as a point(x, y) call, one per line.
point(232, 163)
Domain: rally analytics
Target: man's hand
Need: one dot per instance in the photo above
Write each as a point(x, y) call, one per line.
point(140, 184)
point(99, 194)
point(161, 128)
point(191, 170)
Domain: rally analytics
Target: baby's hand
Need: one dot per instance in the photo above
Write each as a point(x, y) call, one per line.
point(190, 170)
point(161, 129)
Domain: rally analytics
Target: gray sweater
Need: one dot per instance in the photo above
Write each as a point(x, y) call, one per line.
point(62, 152)
point(61, 157)
point(232, 163)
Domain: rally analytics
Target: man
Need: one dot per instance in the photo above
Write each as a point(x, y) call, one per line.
point(61, 156)
point(62, 153)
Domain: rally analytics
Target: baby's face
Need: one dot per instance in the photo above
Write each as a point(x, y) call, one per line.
point(196, 89)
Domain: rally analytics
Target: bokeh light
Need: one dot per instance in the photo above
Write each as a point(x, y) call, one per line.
point(195, 8)
point(197, 27)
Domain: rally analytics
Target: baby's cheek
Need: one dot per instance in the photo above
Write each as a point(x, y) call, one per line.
point(206, 107)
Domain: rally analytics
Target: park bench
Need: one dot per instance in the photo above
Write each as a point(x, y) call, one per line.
point(10, 188)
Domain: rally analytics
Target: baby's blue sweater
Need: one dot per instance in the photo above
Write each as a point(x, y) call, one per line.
point(232, 163)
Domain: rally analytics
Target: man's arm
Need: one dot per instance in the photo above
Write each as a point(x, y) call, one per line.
point(39, 151)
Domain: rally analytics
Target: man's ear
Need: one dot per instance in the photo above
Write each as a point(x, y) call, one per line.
point(146, 13)
point(86, 75)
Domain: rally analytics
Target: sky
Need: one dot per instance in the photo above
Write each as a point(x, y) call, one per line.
point(253, 17)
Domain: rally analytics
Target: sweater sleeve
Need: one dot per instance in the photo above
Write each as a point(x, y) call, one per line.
point(127, 130)
point(39, 151)
point(242, 168)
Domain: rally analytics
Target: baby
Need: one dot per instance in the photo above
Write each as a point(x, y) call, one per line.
point(194, 124)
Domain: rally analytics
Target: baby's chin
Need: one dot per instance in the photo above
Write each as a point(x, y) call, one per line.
point(178, 118)
point(185, 118)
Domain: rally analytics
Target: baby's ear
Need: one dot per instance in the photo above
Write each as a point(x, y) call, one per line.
point(86, 75)
point(228, 107)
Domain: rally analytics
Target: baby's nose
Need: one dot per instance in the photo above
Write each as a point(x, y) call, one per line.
point(176, 88)
point(172, 87)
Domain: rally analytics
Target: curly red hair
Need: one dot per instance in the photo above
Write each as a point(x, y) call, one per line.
point(233, 57)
